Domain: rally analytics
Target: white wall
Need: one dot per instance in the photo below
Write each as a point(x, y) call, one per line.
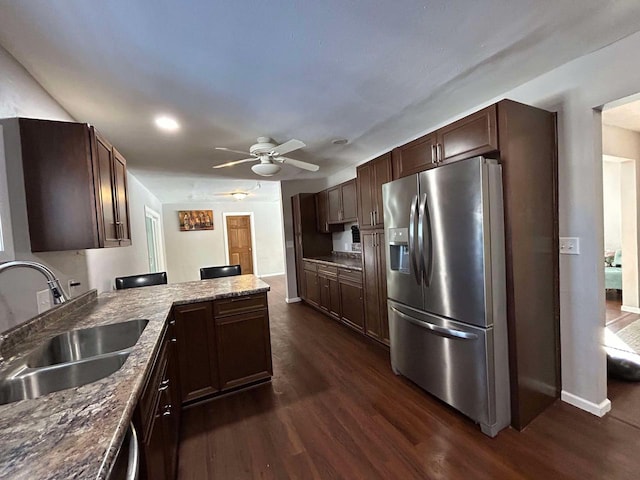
point(21, 95)
point(342, 241)
point(612, 205)
point(187, 252)
point(105, 264)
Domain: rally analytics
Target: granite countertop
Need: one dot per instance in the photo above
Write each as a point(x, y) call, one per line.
point(352, 262)
point(76, 433)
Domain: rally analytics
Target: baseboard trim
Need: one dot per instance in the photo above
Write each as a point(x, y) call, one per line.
point(598, 409)
point(625, 308)
point(293, 300)
point(271, 275)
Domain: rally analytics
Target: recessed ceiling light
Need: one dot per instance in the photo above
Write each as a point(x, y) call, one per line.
point(239, 195)
point(167, 123)
point(340, 141)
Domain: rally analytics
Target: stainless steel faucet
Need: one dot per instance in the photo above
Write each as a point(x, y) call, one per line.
point(59, 295)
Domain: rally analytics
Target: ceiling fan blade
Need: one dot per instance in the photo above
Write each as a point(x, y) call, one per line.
point(289, 146)
point(224, 149)
point(230, 164)
point(300, 164)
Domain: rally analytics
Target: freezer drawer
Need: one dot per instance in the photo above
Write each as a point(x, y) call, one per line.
point(451, 360)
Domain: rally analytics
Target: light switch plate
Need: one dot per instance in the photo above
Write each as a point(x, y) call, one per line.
point(43, 297)
point(569, 245)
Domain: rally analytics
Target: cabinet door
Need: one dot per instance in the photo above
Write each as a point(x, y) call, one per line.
point(321, 212)
point(244, 348)
point(311, 287)
point(122, 198)
point(371, 284)
point(154, 449)
point(366, 196)
point(334, 202)
point(349, 201)
point(352, 307)
point(325, 294)
point(381, 266)
point(334, 297)
point(108, 217)
point(382, 173)
point(195, 334)
point(474, 135)
point(415, 156)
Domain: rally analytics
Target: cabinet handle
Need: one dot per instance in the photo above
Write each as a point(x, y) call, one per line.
point(163, 386)
point(371, 217)
point(434, 154)
point(167, 410)
point(439, 148)
point(326, 226)
point(375, 216)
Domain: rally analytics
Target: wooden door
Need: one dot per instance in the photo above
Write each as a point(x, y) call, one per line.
point(196, 341)
point(382, 173)
point(334, 205)
point(349, 201)
point(366, 198)
point(108, 217)
point(415, 156)
point(474, 135)
point(121, 198)
point(239, 242)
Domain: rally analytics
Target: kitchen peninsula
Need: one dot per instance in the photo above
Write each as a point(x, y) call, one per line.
point(76, 433)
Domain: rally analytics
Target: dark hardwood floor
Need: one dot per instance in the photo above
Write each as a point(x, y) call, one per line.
point(334, 410)
point(616, 319)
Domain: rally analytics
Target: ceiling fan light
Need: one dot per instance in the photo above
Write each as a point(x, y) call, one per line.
point(265, 169)
point(239, 195)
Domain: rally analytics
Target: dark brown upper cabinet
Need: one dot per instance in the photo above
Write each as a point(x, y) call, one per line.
point(370, 178)
point(75, 186)
point(415, 156)
point(322, 214)
point(110, 169)
point(342, 204)
point(476, 134)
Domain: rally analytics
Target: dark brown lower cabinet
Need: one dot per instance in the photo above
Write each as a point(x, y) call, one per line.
point(311, 284)
point(196, 342)
point(157, 416)
point(375, 285)
point(244, 348)
point(352, 311)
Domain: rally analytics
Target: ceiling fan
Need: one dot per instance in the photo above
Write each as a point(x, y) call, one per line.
point(270, 156)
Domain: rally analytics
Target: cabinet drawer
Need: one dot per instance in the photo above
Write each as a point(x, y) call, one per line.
point(327, 270)
point(246, 303)
point(311, 266)
point(351, 275)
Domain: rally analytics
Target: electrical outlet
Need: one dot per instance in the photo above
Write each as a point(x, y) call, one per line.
point(569, 245)
point(43, 297)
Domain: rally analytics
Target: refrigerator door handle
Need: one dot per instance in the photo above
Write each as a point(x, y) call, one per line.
point(423, 251)
point(438, 330)
point(412, 239)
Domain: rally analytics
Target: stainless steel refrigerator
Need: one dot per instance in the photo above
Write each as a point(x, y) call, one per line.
point(444, 242)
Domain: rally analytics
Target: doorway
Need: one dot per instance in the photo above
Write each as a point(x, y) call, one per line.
point(240, 240)
point(155, 247)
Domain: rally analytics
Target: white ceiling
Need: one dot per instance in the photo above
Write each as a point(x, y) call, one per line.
point(377, 72)
point(624, 116)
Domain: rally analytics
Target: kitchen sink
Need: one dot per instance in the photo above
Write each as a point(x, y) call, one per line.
point(85, 343)
point(35, 382)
